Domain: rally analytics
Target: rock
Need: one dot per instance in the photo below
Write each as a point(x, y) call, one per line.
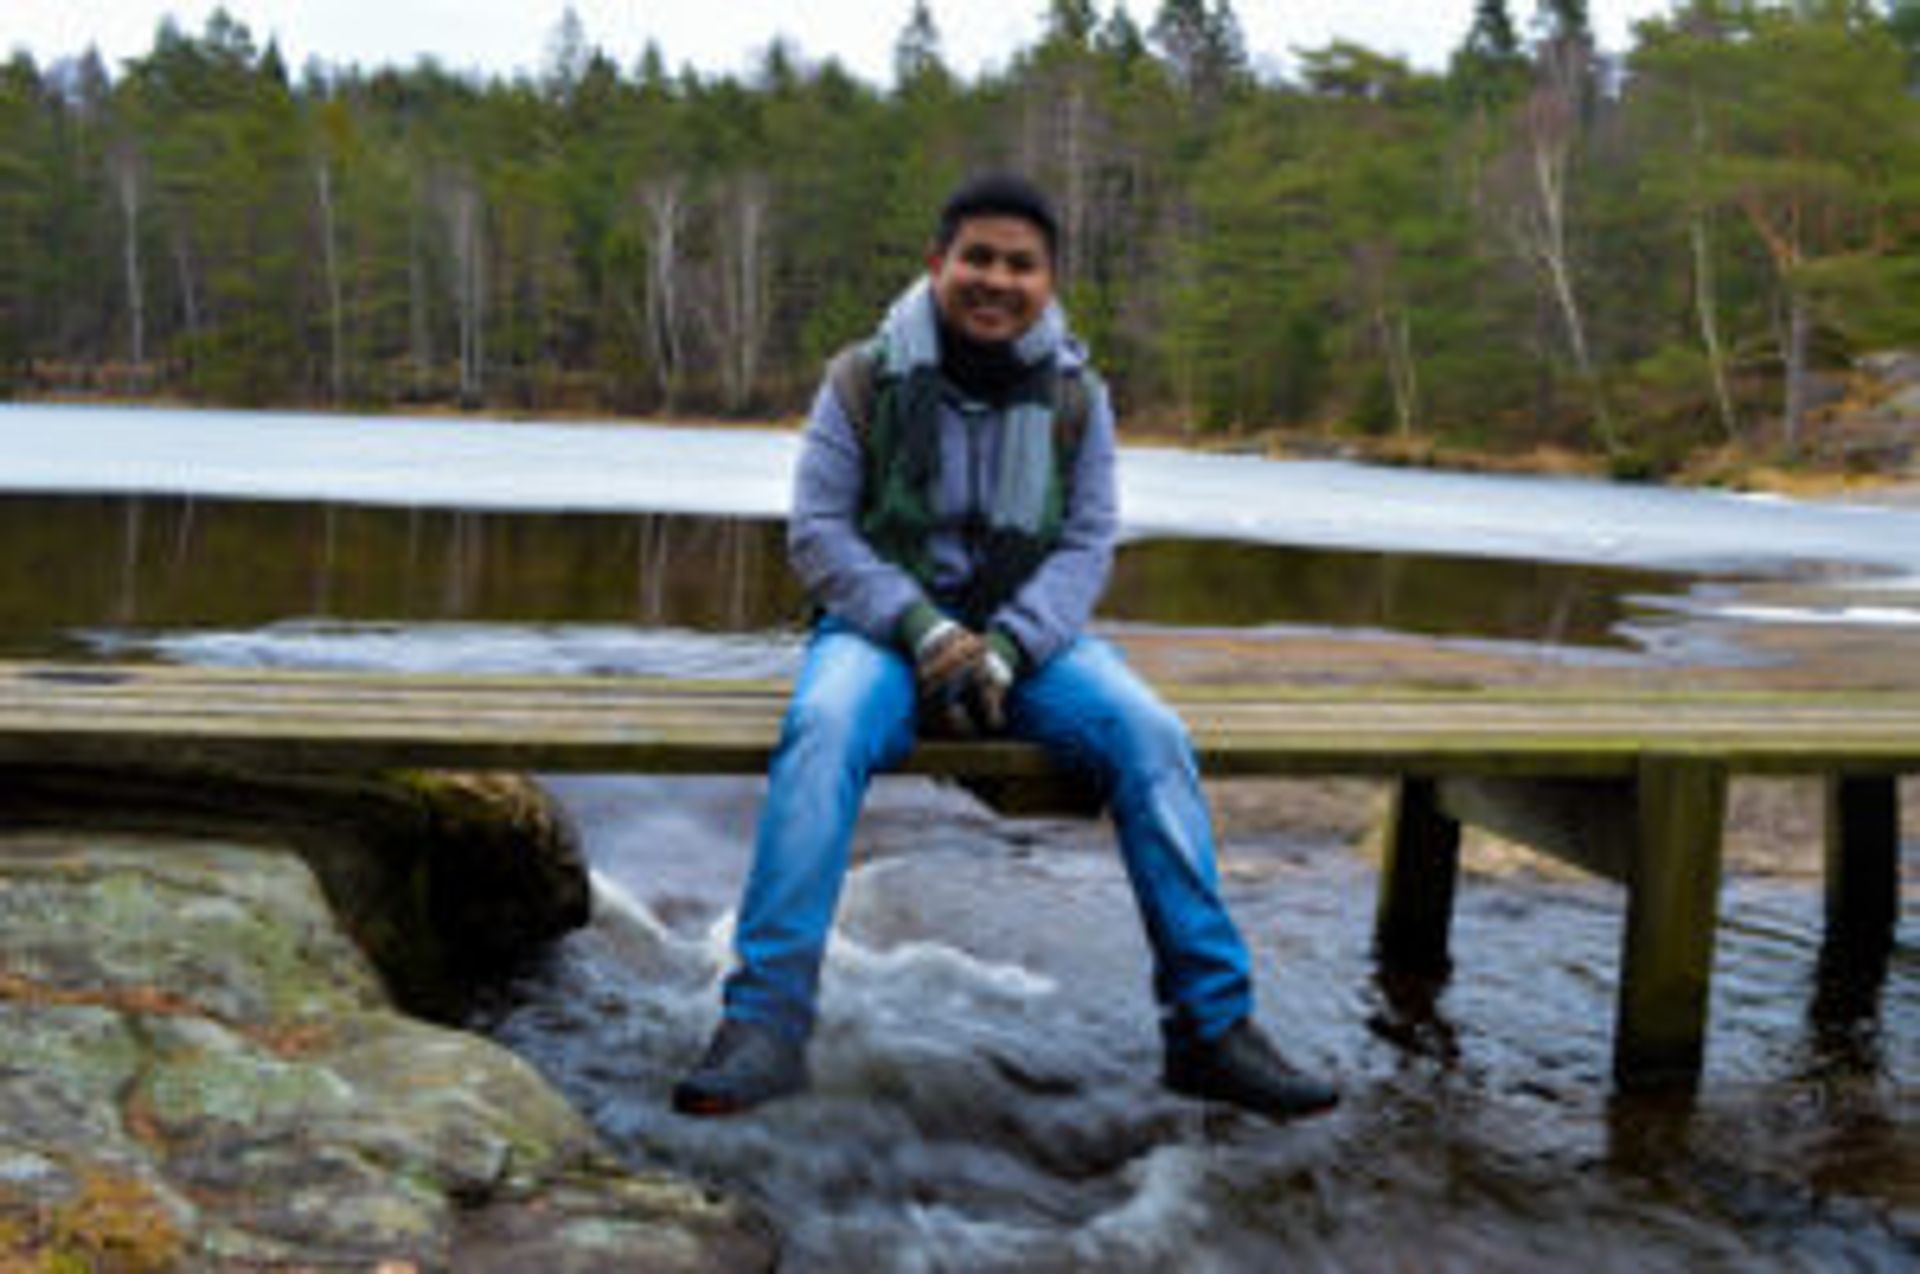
point(1895, 367)
point(507, 872)
point(440, 878)
point(1904, 405)
point(201, 1071)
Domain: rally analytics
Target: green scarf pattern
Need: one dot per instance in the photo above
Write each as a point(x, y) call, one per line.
point(1021, 522)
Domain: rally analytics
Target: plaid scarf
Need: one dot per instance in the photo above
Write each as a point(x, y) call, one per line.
point(1020, 521)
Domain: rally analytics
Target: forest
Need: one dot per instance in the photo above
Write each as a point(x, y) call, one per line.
point(1635, 255)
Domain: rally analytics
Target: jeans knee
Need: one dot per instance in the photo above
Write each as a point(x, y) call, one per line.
point(820, 725)
point(845, 733)
point(1156, 740)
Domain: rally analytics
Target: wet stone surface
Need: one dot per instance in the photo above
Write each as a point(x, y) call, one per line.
point(985, 1090)
point(201, 1072)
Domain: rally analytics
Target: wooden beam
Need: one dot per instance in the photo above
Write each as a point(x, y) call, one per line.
point(1590, 823)
point(1673, 890)
point(1418, 872)
point(1863, 865)
point(101, 712)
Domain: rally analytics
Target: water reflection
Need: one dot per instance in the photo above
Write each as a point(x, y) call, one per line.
point(157, 563)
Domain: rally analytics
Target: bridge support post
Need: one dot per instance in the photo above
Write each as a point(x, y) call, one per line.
point(1419, 868)
point(1863, 866)
point(1673, 887)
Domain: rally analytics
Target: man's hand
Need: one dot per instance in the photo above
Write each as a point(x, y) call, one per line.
point(962, 680)
point(992, 679)
point(945, 668)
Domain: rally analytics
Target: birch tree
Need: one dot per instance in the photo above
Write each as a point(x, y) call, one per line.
point(465, 216)
point(125, 171)
point(332, 141)
point(664, 202)
point(1676, 67)
point(1535, 197)
point(741, 260)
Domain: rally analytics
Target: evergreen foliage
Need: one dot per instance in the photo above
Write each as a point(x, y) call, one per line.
point(1543, 243)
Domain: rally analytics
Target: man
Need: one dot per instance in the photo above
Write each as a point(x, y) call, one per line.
point(954, 519)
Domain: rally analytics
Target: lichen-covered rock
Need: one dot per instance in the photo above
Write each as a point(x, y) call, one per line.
point(438, 877)
point(198, 1070)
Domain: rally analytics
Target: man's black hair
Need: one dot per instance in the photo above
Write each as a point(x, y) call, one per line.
point(998, 195)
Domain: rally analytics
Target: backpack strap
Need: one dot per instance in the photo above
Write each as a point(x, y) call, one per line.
point(854, 374)
point(1072, 404)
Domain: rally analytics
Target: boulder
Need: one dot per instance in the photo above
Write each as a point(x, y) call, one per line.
point(203, 1072)
point(440, 878)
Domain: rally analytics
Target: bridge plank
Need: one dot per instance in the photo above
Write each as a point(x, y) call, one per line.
point(1536, 761)
point(574, 723)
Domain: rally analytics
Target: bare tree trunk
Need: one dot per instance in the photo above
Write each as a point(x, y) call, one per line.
point(1705, 301)
point(1061, 134)
point(1539, 221)
point(336, 318)
point(1781, 230)
point(1798, 333)
point(189, 292)
point(1550, 248)
point(743, 290)
point(473, 388)
point(419, 323)
point(1707, 308)
point(664, 202)
point(127, 182)
point(1075, 162)
point(1395, 333)
point(469, 290)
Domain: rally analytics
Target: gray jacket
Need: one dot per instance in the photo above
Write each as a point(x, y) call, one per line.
point(848, 579)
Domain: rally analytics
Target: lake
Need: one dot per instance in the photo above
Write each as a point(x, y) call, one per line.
point(985, 1095)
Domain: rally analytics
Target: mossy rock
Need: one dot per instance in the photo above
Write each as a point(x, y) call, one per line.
point(203, 1072)
point(440, 878)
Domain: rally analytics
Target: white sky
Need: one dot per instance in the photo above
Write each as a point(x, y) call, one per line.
point(501, 36)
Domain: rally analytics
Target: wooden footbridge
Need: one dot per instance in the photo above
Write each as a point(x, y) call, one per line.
point(1630, 786)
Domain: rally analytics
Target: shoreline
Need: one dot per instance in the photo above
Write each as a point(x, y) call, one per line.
point(1757, 471)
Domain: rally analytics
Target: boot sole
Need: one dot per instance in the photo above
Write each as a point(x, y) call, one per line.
point(712, 1105)
point(1289, 1114)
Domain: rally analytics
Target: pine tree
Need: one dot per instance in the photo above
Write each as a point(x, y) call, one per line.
point(916, 52)
point(1492, 35)
point(1071, 21)
point(1489, 67)
point(1121, 39)
point(568, 54)
point(1203, 47)
point(1564, 20)
point(1903, 20)
point(24, 204)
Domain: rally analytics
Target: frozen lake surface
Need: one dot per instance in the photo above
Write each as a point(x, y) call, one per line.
point(745, 472)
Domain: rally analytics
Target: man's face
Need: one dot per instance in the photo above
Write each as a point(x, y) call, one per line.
point(994, 280)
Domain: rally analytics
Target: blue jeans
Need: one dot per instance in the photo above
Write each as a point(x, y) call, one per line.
point(853, 715)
